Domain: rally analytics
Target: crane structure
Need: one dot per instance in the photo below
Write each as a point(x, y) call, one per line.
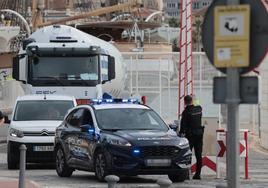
point(97, 12)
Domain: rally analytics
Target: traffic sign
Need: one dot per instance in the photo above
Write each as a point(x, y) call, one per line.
point(258, 33)
point(231, 39)
point(249, 90)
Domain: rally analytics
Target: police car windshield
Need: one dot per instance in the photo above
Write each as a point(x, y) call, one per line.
point(35, 110)
point(129, 119)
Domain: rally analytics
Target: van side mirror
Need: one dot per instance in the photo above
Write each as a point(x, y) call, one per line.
point(111, 68)
point(16, 68)
point(7, 121)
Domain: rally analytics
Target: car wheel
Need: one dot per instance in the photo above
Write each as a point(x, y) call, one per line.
point(179, 177)
point(12, 162)
point(100, 166)
point(61, 166)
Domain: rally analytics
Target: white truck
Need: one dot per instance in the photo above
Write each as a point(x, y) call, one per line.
point(33, 123)
point(62, 60)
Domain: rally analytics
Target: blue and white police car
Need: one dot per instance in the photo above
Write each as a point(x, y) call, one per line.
point(121, 137)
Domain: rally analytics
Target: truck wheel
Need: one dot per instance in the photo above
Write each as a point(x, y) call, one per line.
point(100, 166)
point(12, 162)
point(61, 166)
point(179, 177)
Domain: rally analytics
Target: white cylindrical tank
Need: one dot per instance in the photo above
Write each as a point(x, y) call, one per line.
point(264, 102)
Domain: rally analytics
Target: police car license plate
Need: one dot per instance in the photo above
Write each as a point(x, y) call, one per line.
point(43, 148)
point(157, 162)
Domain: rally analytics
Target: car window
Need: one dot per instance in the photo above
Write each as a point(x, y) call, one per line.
point(38, 110)
point(129, 119)
point(87, 118)
point(76, 117)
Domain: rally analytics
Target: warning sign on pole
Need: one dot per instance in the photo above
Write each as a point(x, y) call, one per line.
point(231, 39)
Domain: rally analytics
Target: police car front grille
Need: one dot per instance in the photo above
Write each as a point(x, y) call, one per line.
point(160, 151)
point(39, 133)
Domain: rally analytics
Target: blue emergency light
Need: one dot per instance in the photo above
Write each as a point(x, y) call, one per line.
point(115, 101)
point(136, 152)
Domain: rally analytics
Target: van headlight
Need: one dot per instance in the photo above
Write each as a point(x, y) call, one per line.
point(16, 133)
point(114, 140)
point(183, 143)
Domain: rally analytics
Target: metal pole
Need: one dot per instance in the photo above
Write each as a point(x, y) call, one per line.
point(232, 101)
point(137, 75)
point(131, 75)
point(22, 166)
point(160, 87)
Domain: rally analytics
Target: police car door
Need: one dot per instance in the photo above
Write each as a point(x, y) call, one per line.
point(72, 136)
point(87, 138)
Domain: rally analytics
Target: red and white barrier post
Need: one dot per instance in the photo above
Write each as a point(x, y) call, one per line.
point(243, 148)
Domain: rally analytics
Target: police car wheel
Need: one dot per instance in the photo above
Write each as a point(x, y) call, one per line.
point(61, 166)
point(179, 177)
point(100, 166)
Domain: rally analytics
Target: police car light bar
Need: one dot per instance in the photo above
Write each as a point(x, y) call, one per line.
point(103, 101)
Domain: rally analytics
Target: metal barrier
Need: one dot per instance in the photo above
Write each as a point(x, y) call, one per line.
point(243, 148)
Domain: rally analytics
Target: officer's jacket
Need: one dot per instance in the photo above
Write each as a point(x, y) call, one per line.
point(191, 121)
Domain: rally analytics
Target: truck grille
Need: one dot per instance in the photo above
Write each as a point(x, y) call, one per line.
point(160, 151)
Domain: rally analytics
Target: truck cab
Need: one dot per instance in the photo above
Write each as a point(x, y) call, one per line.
point(65, 61)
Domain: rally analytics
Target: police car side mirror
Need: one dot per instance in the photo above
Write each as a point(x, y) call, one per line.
point(87, 128)
point(173, 126)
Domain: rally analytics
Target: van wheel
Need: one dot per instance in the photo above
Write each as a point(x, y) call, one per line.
point(12, 162)
point(62, 168)
point(100, 166)
point(180, 176)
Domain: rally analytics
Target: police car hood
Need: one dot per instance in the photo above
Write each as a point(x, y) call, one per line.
point(147, 136)
point(35, 125)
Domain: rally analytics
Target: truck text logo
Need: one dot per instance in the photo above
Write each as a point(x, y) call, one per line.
point(45, 92)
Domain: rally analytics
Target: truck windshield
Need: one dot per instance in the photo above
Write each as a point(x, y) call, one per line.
point(129, 119)
point(64, 68)
point(34, 110)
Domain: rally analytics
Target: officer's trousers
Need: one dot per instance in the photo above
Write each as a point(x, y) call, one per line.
point(196, 142)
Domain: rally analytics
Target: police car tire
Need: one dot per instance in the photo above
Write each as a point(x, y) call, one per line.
point(65, 170)
point(179, 177)
point(99, 160)
point(12, 162)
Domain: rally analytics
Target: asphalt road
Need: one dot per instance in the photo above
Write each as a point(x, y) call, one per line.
point(45, 175)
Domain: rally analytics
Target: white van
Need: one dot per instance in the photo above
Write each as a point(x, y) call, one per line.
point(33, 123)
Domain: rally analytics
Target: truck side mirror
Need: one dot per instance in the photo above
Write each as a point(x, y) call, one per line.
point(16, 68)
point(111, 68)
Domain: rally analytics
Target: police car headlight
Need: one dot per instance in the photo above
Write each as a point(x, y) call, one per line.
point(183, 143)
point(16, 133)
point(114, 140)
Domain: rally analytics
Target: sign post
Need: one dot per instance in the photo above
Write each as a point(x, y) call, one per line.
point(231, 50)
point(235, 46)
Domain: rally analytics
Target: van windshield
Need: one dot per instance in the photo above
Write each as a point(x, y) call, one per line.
point(34, 110)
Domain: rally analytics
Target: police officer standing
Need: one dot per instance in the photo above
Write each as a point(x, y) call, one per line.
point(191, 127)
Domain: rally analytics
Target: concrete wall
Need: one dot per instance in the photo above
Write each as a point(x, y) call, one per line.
point(264, 102)
point(9, 91)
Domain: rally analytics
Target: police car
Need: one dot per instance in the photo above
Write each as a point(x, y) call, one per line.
point(119, 137)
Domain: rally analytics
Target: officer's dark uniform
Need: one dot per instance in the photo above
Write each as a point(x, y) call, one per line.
point(191, 126)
